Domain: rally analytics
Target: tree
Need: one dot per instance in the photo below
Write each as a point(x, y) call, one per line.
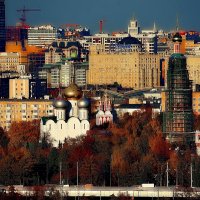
point(89, 169)
point(21, 133)
point(159, 147)
point(4, 140)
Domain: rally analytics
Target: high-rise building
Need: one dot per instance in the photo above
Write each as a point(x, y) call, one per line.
point(2, 26)
point(64, 73)
point(178, 118)
point(42, 36)
point(35, 61)
point(131, 69)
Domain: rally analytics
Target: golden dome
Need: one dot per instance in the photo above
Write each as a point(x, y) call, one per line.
point(72, 91)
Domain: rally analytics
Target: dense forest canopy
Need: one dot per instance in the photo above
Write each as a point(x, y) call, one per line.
point(130, 152)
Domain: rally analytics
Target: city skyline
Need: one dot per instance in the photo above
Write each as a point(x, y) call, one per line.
point(116, 13)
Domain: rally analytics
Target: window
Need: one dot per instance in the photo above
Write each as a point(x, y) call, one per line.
point(61, 126)
point(74, 126)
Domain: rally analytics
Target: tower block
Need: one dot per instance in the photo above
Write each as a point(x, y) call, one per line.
point(178, 118)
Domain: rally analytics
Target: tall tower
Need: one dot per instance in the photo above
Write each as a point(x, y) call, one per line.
point(133, 28)
point(178, 118)
point(2, 26)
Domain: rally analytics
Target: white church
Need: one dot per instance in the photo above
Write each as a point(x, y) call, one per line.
point(70, 116)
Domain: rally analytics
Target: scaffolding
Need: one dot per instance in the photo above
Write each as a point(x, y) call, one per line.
point(178, 118)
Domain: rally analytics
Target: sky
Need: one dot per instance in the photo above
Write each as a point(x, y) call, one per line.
point(115, 13)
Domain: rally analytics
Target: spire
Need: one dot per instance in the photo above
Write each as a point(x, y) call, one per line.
point(59, 92)
point(154, 27)
point(177, 23)
point(133, 18)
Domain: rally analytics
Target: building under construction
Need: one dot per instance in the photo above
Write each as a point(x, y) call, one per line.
point(178, 118)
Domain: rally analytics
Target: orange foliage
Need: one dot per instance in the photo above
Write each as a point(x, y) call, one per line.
point(173, 161)
point(118, 135)
point(118, 161)
point(22, 132)
point(155, 125)
point(159, 146)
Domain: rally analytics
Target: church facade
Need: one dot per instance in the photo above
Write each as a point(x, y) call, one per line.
point(70, 119)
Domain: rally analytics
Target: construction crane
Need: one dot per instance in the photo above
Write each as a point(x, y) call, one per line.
point(23, 16)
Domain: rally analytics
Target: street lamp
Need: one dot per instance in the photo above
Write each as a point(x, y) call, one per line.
point(167, 175)
point(191, 177)
point(60, 173)
point(77, 174)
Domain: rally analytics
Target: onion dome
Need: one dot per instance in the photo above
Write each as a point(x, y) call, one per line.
point(62, 45)
point(60, 103)
point(177, 38)
point(83, 103)
point(54, 44)
point(72, 91)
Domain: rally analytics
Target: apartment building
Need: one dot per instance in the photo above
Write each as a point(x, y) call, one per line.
point(9, 61)
point(23, 110)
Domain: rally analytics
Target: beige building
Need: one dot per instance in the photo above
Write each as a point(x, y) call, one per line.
point(23, 110)
point(193, 66)
point(130, 69)
point(9, 61)
point(18, 88)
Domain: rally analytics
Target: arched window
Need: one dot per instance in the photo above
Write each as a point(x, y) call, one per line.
point(61, 126)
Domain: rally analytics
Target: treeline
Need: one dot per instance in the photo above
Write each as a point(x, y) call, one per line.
point(129, 152)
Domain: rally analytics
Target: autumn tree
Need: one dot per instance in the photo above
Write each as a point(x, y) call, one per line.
point(4, 140)
point(21, 133)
